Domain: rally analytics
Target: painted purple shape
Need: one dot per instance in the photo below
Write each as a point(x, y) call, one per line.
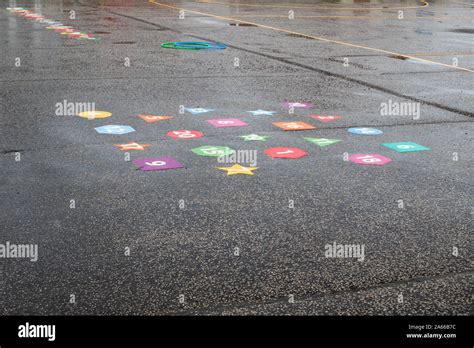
point(157, 163)
point(295, 105)
point(227, 122)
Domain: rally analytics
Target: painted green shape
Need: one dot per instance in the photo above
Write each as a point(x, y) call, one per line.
point(213, 151)
point(255, 137)
point(406, 146)
point(322, 141)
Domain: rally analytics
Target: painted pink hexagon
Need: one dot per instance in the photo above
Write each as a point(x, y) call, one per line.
point(369, 159)
point(227, 122)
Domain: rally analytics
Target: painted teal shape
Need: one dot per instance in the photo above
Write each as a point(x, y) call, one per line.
point(406, 146)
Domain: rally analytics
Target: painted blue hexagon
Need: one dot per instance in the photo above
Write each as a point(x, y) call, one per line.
point(114, 129)
point(197, 111)
point(365, 131)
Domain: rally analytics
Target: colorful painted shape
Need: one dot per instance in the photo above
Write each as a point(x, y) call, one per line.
point(94, 114)
point(132, 146)
point(322, 141)
point(87, 37)
point(184, 134)
point(325, 118)
point(251, 137)
point(74, 34)
point(70, 31)
point(294, 105)
point(261, 112)
point(227, 122)
point(238, 169)
point(285, 152)
point(406, 146)
point(365, 131)
point(52, 23)
point(62, 28)
point(197, 111)
point(153, 118)
point(213, 151)
point(293, 125)
point(157, 163)
point(369, 159)
point(35, 16)
point(114, 129)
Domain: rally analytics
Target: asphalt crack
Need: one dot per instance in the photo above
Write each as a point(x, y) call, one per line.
point(284, 299)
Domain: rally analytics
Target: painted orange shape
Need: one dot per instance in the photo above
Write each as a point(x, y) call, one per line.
point(293, 125)
point(132, 146)
point(153, 118)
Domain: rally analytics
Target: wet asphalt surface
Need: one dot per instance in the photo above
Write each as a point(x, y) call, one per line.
point(183, 226)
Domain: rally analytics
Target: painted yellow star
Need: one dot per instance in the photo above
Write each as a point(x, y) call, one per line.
point(238, 169)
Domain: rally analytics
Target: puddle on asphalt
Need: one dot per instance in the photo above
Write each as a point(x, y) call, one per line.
point(463, 31)
point(423, 32)
point(357, 65)
point(242, 25)
point(399, 57)
point(301, 36)
point(411, 60)
point(153, 29)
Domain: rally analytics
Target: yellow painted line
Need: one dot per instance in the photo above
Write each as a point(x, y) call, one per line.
point(297, 16)
point(290, 6)
point(310, 36)
point(395, 16)
point(441, 54)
